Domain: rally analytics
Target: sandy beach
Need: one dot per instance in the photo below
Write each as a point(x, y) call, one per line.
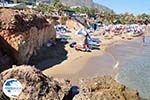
point(59, 52)
point(72, 68)
point(74, 50)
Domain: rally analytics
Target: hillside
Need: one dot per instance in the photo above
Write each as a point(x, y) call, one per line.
point(88, 3)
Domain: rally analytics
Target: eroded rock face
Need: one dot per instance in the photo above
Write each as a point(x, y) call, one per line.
point(105, 88)
point(23, 32)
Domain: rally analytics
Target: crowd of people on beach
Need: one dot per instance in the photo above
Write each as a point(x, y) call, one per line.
point(133, 30)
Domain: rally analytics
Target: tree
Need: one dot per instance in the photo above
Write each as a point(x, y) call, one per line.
point(57, 4)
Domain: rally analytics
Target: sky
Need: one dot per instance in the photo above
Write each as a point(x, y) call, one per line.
point(131, 6)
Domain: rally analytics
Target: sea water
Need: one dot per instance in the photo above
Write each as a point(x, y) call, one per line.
point(133, 69)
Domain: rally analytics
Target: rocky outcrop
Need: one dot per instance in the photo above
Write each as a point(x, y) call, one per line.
point(105, 88)
point(23, 32)
point(37, 86)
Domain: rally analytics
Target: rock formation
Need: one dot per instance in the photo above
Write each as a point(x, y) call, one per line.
point(105, 88)
point(22, 32)
point(37, 86)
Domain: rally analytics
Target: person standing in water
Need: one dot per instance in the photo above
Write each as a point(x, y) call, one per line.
point(143, 35)
point(145, 30)
point(143, 38)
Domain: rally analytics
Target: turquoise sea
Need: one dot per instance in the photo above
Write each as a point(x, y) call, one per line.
point(133, 68)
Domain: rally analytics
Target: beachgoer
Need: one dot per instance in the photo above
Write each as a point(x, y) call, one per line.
point(86, 43)
point(94, 26)
point(143, 38)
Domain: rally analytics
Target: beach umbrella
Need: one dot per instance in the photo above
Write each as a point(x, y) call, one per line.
point(81, 32)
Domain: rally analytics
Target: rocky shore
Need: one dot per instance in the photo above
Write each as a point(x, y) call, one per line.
point(37, 86)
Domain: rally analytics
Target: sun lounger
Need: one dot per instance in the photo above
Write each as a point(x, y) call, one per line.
point(93, 45)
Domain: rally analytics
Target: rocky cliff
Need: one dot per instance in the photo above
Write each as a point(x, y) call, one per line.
point(22, 32)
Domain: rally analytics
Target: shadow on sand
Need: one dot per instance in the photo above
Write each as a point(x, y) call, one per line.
point(47, 57)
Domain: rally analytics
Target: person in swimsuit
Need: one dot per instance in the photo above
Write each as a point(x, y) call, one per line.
point(86, 43)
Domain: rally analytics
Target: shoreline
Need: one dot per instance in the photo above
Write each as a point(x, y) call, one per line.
point(133, 62)
point(77, 61)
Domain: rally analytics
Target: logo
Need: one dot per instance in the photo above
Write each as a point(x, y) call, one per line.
point(12, 88)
